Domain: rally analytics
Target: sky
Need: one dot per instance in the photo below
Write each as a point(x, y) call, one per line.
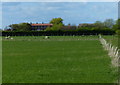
point(59, 0)
point(71, 12)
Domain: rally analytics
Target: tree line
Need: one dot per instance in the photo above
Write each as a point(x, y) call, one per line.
point(108, 26)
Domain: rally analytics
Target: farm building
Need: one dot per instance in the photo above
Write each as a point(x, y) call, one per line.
point(40, 26)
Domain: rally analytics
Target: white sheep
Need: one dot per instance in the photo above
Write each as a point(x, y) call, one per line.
point(11, 38)
point(46, 37)
point(7, 37)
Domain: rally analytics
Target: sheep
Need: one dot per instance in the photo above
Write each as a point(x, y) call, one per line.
point(11, 38)
point(47, 37)
point(8, 37)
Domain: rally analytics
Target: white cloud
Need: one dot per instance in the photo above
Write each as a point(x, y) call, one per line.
point(59, 0)
point(36, 12)
point(0, 15)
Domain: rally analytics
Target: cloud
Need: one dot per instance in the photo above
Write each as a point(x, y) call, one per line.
point(0, 15)
point(11, 3)
point(60, 0)
point(71, 12)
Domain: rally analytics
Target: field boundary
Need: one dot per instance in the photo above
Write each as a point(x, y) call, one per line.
point(113, 51)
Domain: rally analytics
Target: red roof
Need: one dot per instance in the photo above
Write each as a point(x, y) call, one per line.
point(41, 24)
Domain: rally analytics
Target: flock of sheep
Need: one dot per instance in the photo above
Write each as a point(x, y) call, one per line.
point(45, 37)
point(8, 37)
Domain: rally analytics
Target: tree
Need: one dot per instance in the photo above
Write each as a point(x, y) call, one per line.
point(14, 27)
point(69, 27)
point(57, 24)
point(57, 21)
point(86, 25)
point(99, 25)
point(57, 27)
point(116, 26)
point(48, 29)
point(24, 27)
point(109, 23)
point(20, 27)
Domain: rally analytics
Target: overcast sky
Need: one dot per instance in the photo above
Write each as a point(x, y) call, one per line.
point(71, 12)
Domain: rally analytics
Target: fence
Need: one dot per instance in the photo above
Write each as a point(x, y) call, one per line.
point(113, 51)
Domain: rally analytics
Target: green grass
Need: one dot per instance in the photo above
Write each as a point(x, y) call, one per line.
point(56, 60)
point(0, 60)
point(112, 39)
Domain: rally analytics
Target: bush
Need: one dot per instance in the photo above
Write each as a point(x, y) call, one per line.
point(59, 32)
point(118, 32)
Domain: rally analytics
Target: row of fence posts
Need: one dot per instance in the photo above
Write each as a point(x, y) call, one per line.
point(112, 51)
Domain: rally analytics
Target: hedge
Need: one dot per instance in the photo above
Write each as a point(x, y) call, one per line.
point(57, 33)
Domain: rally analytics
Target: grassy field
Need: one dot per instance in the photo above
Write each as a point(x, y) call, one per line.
point(112, 39)
point(60, 59)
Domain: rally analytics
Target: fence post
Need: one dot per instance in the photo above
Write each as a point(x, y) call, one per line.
point(113, 52)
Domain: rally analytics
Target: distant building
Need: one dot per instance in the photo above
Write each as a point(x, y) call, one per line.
point(7, 28)
point(41, 26)
point(86, 25)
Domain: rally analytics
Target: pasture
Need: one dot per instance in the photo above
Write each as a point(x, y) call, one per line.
point(60, 59)
point(114, 39)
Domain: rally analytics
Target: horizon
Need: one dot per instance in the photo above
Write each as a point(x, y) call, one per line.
point(71, 12)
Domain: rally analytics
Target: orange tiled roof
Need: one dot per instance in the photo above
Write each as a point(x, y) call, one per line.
point(41, 24)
